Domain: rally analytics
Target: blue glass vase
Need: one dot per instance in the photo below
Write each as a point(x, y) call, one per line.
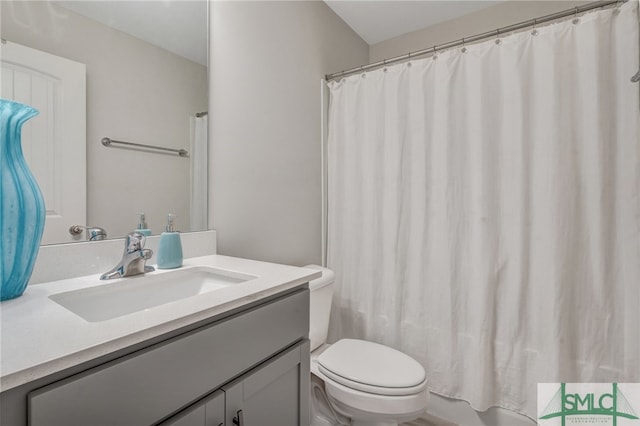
point(22, 209)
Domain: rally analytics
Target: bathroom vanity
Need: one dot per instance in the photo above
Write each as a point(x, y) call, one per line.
point(236, 354)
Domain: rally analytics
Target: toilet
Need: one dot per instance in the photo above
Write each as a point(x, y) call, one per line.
point(356, 382)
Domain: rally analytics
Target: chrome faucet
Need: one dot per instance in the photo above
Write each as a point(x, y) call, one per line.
point(94, 233)
point(133, 259)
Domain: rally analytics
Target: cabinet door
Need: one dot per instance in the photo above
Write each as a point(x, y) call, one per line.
point(274, 394)
point(214, 410)
point(208, 412)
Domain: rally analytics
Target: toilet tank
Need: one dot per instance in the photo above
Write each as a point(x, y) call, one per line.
point(321, 294)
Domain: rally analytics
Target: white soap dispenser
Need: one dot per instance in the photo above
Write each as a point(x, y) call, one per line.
point(170, 247)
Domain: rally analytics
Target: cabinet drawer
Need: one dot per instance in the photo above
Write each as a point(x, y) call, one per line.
point(148, 385)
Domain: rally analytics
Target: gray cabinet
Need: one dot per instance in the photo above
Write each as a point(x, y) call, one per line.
point(255, 361)
point(273, 394)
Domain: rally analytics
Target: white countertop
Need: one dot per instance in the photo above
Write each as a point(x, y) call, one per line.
point(39, 337)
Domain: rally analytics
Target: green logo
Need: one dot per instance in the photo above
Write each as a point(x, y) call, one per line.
point(565, 404)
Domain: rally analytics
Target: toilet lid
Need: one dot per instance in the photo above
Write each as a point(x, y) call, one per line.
point(366, 366)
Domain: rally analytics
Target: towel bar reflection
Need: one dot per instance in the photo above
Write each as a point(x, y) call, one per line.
point(180, 152)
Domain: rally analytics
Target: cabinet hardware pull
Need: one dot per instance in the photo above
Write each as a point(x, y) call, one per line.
point(239, 421)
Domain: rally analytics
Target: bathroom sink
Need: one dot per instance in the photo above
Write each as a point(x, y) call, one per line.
point(138, 293)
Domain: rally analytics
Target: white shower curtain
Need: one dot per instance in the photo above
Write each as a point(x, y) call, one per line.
point(484, 210)
point(199, 158)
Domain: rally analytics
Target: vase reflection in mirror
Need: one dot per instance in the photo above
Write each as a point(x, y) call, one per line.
point(22, 210)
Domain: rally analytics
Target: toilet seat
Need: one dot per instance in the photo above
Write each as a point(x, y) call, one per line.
point(372, 368)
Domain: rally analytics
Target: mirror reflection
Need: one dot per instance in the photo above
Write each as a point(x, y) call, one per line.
point(130, 71)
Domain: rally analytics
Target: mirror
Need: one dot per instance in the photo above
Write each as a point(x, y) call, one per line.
point(145, 67)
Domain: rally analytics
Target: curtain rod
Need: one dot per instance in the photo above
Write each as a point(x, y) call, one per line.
point(477, 37)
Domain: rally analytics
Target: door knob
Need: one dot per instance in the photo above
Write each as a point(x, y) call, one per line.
point(239, 421)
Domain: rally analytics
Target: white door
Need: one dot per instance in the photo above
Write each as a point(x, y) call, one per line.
point(54, 142)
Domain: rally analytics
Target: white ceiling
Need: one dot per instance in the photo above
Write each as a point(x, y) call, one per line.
point(177, 26)
point(180, 26)
point(379, 20)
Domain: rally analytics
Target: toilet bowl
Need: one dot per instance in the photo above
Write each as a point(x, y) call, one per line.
point(356, 382)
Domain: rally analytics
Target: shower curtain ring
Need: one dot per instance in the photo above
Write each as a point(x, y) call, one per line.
point(535, 31)
point(575, 16)
point(464, 48)
point(409, 59)
point(498, 36)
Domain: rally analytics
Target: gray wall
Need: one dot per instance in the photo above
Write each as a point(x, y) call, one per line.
point(501, 15)
point(267, 61)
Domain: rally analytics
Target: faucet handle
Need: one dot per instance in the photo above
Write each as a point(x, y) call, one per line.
point(146, 254)
point(134, 242)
